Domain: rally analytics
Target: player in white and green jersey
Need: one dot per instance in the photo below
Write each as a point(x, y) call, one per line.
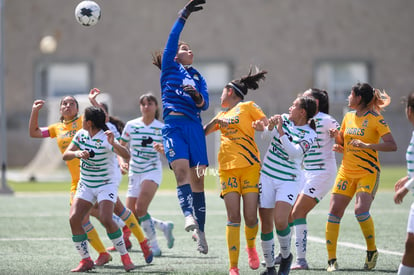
point(319, 173)
point(145, 169)
point(292, 135)
point(96, 146)
point(402, 187)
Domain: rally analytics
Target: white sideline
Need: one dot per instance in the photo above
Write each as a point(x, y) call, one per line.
point(351, 245)
point(310, 238)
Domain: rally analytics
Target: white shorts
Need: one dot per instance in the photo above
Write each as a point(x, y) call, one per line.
point(104, 192)
point(272, 190)
point(135, 181)
point(410, 225)
point(318, 183)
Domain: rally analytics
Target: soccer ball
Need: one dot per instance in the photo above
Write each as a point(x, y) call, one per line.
point(87, 13)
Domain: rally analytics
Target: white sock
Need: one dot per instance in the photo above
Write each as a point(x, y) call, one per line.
point(159, 224)
point(301, 232)
point(268, 248)
point(405, 270)
point(118, 221)
point(120, 245)
point(82, 248)
point(284, 242)
point(148, 227)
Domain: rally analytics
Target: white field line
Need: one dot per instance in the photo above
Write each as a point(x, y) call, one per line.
point(352, 245)
point(310, 238)
point(209, 213)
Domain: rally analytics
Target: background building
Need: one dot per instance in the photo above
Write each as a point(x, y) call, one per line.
point(301, 43)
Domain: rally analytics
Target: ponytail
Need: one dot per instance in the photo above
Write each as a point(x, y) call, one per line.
point(250, 81)
point(157, 58)
point(381, 100)
point(308, 103)
point(312, 123)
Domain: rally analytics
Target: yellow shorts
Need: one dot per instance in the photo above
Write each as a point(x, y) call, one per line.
point(241, 180)
point(348, 186)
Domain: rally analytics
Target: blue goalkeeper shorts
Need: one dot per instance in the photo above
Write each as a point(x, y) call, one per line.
point(184, 138)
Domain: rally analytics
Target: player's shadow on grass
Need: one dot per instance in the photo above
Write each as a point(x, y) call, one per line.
point(173, 256)
point(138, 269)
point(349, 270)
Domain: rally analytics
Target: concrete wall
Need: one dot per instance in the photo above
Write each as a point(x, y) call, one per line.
point(285, 37)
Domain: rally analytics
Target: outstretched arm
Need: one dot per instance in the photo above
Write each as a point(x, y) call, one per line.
point(34, 130)
point(171, 46)
point(93, 94)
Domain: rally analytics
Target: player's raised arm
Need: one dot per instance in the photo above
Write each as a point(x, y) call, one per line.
point(34, 130)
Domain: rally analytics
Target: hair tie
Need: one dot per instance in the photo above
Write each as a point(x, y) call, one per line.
point(238, 91)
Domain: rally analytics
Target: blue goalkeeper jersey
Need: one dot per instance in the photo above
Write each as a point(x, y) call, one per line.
point(174, 76)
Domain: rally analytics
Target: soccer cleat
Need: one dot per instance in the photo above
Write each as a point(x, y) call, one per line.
point(234, 271)
point(146, 250)
point(103, 258)
point(332, 265)
point(371, 260)
point(126, 234)
point(156, 252)
point(194, 236)
point(200, 237)
point(285, 264)
point(190, 223)
point(278, 259)
point(168, 234)
point(254, 261)
point(126, 261)
point(269, 271)
point(84, 265)
point(300, 264)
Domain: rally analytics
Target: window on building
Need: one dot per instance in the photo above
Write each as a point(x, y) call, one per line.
point(56, 79)
point(338, 76)
point(216, 73)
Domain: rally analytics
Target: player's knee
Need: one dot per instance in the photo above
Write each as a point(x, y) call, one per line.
point(409, 244)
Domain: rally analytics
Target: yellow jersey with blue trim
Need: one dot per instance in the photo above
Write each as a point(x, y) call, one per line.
point(64, 133)
point(369, 128)
point(238, 147)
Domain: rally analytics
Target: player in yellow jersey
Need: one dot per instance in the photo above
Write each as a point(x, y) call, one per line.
point(359, 138)
point(239, 164)
point(64, 131)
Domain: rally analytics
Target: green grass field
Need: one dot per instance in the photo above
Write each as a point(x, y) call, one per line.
point(35, 236)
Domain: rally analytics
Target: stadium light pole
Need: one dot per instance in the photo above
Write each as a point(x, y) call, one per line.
point(3, 139)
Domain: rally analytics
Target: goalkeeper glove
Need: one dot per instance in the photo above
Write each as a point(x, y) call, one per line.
point(192, 6)
point(195, 95)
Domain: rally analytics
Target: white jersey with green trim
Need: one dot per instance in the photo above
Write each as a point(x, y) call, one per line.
point(141, 137)
point(320, 154)
point(101, 166)
point(410, 164)
point(284, 156)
